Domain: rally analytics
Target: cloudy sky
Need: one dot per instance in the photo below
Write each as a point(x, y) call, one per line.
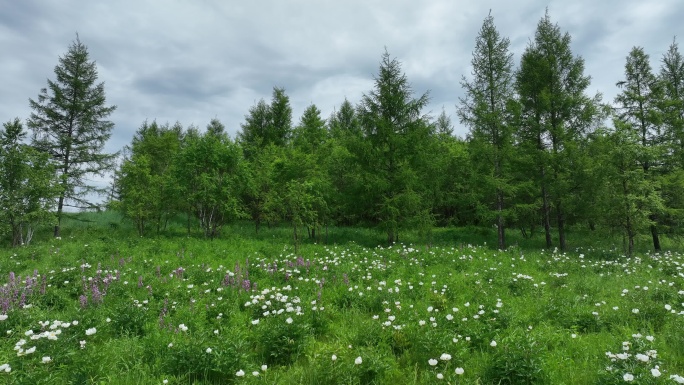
point(191, 61)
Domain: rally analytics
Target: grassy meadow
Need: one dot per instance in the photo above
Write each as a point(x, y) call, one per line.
point(104, 306)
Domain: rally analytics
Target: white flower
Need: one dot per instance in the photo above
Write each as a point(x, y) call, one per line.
point(208, 350)
point(108, 320)
point(445, 357)
point(655, 372)
point(642, 357)
point(5, 368)
point(255, 373)
point(289, 320)
point(170, 344)
point(240, 373)
point(46, 359)
point(264, 367)
point(440, 376)
point(635, 311)
point(255, 321)
point(3, 317)
point(30, 350)
point(650, 338)
point(358, 360)
point(91, 331)
point(432, 362)
point(492, 344)
point(459, 371)
point(165, 381)
point(573, 335)
point(182, 327)
point(82, 344)
point(628, 377)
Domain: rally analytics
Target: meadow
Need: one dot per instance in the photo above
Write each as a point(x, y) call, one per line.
point(104, 306)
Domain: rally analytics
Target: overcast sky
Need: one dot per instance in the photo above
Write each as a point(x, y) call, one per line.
point(191, 61)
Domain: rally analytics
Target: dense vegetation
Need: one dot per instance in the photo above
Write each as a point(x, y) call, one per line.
point(541, 155)
point(353, 249)
point(102, 305)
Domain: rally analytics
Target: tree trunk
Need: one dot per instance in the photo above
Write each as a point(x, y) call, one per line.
point(656, 238)
point(561, 226)
point(500, 221)
point(546, 218)
point(60, 206)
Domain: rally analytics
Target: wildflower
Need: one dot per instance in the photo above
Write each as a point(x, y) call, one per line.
point(289, 320)
point(264, 367)
point(255, 373)
point(635, 311)
point(108, 320)
point(255, 321)
point(3, 317)
point(628, 377)
point(445, 357)
point(650, 338)
point(170, 344)
point(358, 360)
point(165, 381)
point(240, 373)
point(432, 362)
point(573, 335)
point(655, 372)
point(334, 357)
point(82, 344)
point(492, 344)
point(30, 350)
point(642, 357)
point(440, 376)
point(183, 327)
point(208, 350)
point(46, 359)
point(6, 368)
point(459, 371)
point(91, 331)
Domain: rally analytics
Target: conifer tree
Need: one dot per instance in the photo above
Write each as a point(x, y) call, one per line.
point(69, 122)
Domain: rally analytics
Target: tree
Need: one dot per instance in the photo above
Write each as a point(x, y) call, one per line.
point(672, 110)
point(144, 183)
point(555, 115)
point(395, 133)
point(627, 197)
point(210, 175)
point(27, 185)
point(672, 78)
point(486, 110)
point(638, 108)
point(69, 123)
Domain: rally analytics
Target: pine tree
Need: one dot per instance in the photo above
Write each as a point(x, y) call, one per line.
point(69, 122)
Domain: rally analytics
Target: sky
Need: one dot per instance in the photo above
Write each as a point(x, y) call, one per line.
point(192, 61)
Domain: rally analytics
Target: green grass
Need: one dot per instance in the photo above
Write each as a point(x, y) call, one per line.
point(554, 316)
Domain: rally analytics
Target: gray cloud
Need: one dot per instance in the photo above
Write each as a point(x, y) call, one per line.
point(194, 61)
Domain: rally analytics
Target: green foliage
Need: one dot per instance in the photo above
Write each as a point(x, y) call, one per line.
point(518, 360)
point(69, 123)
point(395, 136)
point(27, 185)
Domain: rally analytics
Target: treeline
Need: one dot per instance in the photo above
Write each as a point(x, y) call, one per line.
point(541, 155)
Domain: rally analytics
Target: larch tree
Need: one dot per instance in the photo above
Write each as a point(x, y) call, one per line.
point(555, 114)
point(69, 122)
point(486, 110)
point(638, 109)
point(395, 132)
